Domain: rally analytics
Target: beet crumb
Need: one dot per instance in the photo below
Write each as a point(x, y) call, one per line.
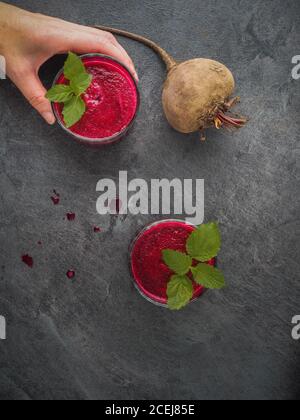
point(28, 260)
point(71, 216)
point(71, 274)
point(55, 198)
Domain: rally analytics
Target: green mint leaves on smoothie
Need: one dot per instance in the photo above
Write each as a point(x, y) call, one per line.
point(60, 93)
point(180, 292)
point(73, 66)
point(208, 276)
point(70, 95)
point(177, 261)
point(203, 244)
point(73, 110)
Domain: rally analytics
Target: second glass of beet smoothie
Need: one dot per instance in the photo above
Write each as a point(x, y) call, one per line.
point(150, 273)
point(112, 102)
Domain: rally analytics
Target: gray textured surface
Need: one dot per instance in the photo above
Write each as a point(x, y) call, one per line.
point(96, 337)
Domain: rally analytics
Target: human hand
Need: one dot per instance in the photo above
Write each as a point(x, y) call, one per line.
point(27, 40)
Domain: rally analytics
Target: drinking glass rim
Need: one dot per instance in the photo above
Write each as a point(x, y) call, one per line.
point(103, 140)
point(131, 249)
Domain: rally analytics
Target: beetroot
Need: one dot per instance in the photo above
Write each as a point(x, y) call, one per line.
point(196, 94)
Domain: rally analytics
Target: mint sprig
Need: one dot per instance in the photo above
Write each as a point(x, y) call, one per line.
point(73, 110)
point(180, 291)
point(71, 95)
point(208, 276)
point(178, 262)
point(60, 93)
point(73, 66)
point(205, 242)
point(202, 245)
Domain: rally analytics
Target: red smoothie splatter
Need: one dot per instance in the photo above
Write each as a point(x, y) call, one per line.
point(71, 217)
point(150, 272)
point(116, 206)
point(70, 274)
point(111, 100)
point(97, 229)
point(55, 198)
point(28, 260)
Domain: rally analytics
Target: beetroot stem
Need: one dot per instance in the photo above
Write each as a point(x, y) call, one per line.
point(169, 61)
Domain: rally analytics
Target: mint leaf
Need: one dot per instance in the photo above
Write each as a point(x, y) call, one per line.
point(205, 242)
point(177, 261)
point(80, 80)
point(80, 83)
point(208, 276)
point(180, 291)
point(60, 93)
point(73, 66)
point(73, 111)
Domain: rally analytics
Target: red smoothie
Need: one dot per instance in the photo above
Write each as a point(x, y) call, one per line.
point(150, 273)
point(112, 101)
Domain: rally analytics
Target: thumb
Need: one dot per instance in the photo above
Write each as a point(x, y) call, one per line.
point(33, 90)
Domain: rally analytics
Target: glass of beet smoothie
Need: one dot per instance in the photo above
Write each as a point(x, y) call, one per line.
point(112, 102)
point(150, 274)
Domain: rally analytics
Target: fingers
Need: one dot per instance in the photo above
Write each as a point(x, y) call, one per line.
point(33, 90)
point(96, 41)
point(132, 67)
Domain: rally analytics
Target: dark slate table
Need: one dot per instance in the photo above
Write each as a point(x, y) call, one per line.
point(94, 337)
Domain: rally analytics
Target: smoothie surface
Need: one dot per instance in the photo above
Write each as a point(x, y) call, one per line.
point(111, 100)
point(150, 272)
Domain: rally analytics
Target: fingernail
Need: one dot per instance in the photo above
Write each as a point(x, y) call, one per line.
point(49, 117)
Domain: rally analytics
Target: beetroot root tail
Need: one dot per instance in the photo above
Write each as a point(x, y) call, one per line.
point(229, 121)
